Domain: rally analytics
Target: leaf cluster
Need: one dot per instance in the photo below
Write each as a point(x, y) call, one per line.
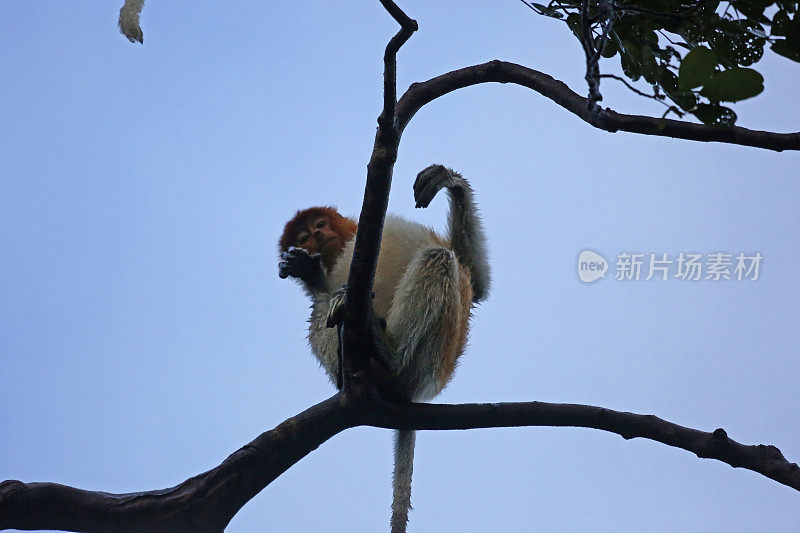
point(694, 54)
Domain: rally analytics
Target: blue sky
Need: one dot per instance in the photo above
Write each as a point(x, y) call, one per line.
point(145, 334)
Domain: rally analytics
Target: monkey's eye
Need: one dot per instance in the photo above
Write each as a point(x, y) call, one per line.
point(302, 239)
point(321, 223)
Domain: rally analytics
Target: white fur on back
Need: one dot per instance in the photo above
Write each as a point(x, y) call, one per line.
point(401, 239)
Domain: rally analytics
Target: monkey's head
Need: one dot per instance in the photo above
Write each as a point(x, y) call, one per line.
point(318, 230)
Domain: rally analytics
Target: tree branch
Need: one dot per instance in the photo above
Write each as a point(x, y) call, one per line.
point(356, 352)
point(766, 460)
point(207, 502)
point(204, 503)
point(420, 94)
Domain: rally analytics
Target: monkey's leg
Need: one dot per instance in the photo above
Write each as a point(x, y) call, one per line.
point(465, 228)
point(427, 324)
point(427, 328)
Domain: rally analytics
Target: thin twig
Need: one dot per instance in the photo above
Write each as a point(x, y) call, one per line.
point(634, 89)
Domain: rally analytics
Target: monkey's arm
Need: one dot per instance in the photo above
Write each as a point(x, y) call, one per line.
point(467, 237)
point(298, 263)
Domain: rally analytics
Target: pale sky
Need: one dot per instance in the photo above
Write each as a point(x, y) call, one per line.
point(145, 334)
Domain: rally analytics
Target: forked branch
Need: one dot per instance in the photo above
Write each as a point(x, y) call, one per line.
point(207, 502)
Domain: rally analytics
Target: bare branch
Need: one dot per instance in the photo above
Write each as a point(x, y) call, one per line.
point(373, 211)
point(204, 503)
point(763, 459)
point(420, 94)
point(207, 502)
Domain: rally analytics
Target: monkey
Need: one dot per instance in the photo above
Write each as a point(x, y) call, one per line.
point(424, 290)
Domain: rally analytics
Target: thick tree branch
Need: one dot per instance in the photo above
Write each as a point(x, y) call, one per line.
point(206, 503)
point(420, 94)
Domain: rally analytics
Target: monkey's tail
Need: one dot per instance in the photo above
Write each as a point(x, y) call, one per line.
point(129, 20)
point(401, 482)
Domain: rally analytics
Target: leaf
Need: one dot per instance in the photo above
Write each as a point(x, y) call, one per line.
point(780, 24)
point(547, 11)
point(686, 101)
point(715, 114)
point(609, 48)
point(630, 59)
point(753, 9)
point(787, 48)
point(733, 85)
point(735, 43)
point(668, 80)
point(573, 20)
point(696, 68)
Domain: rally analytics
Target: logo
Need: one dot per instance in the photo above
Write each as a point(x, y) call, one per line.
point(684, 266)
point(591, 266)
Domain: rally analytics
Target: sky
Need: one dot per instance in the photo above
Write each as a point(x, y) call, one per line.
point(145, 334)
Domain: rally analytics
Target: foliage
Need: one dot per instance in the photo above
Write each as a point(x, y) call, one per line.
point(696, 54)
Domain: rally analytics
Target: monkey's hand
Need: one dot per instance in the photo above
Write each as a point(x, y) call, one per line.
point(336, 310)
point(336, 307)
point(377, 325)
point(299, 264)
point(431, 180)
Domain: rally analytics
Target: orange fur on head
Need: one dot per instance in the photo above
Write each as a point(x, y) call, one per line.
point(343, 226)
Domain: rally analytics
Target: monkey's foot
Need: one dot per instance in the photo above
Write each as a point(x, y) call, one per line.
point(430, 181)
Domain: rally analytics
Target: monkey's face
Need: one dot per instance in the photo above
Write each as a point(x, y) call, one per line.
point(318, 230)
point(318, 236)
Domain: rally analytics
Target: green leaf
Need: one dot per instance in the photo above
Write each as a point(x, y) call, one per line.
point(573, 20)
point(630, 59)
point(733, 85)
point(668, 80)
point(754, 9)
point(650, 69)
point(715, 114)
point(696, 68)
point(787, 48)
point(780, 24)
point(686, 101)
point(609, 48)
point(735, 43)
